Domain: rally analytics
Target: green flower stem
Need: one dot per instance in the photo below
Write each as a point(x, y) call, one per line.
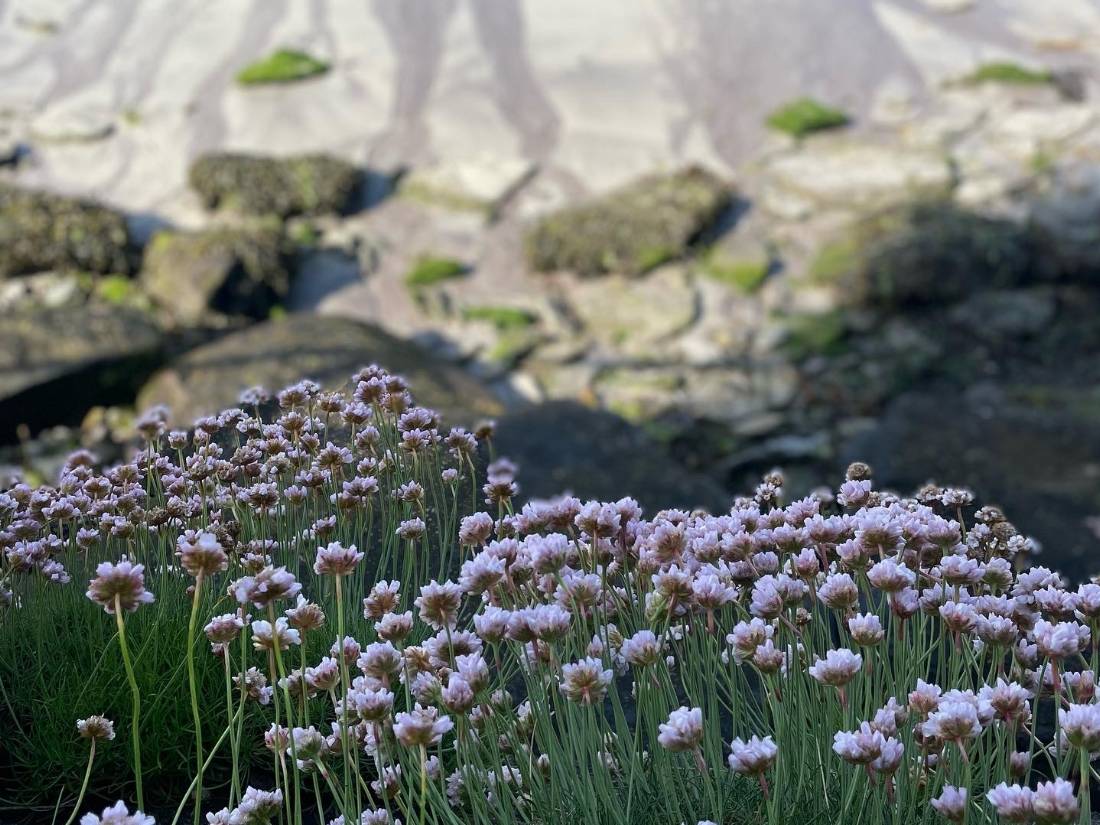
point(83, 786)
point(135, 704)
point(192, 683)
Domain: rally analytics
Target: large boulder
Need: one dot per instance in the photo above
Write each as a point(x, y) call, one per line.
point(927, 253)
point(275, 354)
point(563, 446)
point(631, 229)
point(231, 271)
point(57, 362)
point(297, 185)
point(40, 231)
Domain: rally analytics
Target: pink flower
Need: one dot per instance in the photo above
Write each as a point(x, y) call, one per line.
point(336, 560)
point(838, 667)
point(124, 580)
point(1012, 802)
point(683, 731)
point(421, 727)
point(117, 815)
point(585, 682)
point(1055, 802)
point(951, 803)
point(753, 757)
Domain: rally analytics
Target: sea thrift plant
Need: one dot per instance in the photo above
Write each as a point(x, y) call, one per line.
point(357, 621)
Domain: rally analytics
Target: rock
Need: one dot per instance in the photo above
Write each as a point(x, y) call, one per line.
point(231, 271)
point(635, 316)
point(275, 354)
point(10, 146)
point(926, 252)
point(1028, 448)
point(631, 229)
point(296, 185)
point(74, 123)
point(1067, 222)
point(950, 6)
point(57, 362)
point(41, 231)
point(562, 446)
point(1006, 313)
point(480, 184)
point(43, 289)
point(845, 173)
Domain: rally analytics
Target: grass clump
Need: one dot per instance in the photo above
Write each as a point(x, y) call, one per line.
point(1008, 73)
point(805, 116)
point(503, 318)
point(116, 289)
point(429, 270)
point(745, 275)
point(282, 66)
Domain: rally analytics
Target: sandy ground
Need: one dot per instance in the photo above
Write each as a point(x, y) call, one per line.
point(116, 96)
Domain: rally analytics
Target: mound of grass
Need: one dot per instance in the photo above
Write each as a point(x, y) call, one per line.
point(503, 318)
point(805, 116)
point(282, 66)
point(1009, 73)
point(429, 270)
point(745, 275)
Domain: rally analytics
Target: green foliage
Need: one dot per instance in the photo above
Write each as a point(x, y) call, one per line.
point(1009, 73)
point(430, 270)
point(805, 116)
point(282, 66)
point(745, 275)
point(503, 318)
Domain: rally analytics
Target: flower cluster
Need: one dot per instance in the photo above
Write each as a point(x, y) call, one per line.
point(863, 652)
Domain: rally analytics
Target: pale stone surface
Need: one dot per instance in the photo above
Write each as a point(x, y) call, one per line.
point(854, 173)
point(482, 182)
point(634, 315)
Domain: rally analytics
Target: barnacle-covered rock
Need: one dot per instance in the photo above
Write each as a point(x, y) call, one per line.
point(631, 229)
point(926, 253)
point(253, 184)
point(232, 271)
point(275, 354)
point(57, 362)
point(41, 230)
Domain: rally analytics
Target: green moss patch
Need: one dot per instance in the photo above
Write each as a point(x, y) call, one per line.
point(745, 275)
point(282, 66)
point(1009, 73)
point(429, 271)
point(503, 318)
point(817, 334)
point(805, 116)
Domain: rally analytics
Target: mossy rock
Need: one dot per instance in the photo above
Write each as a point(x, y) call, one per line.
point(274, 354)
point(41, 231)
point(282, 66)
point(926, 253)
point(230, 271)
point(632, 229)
point(257, 185)
point(805, 116)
